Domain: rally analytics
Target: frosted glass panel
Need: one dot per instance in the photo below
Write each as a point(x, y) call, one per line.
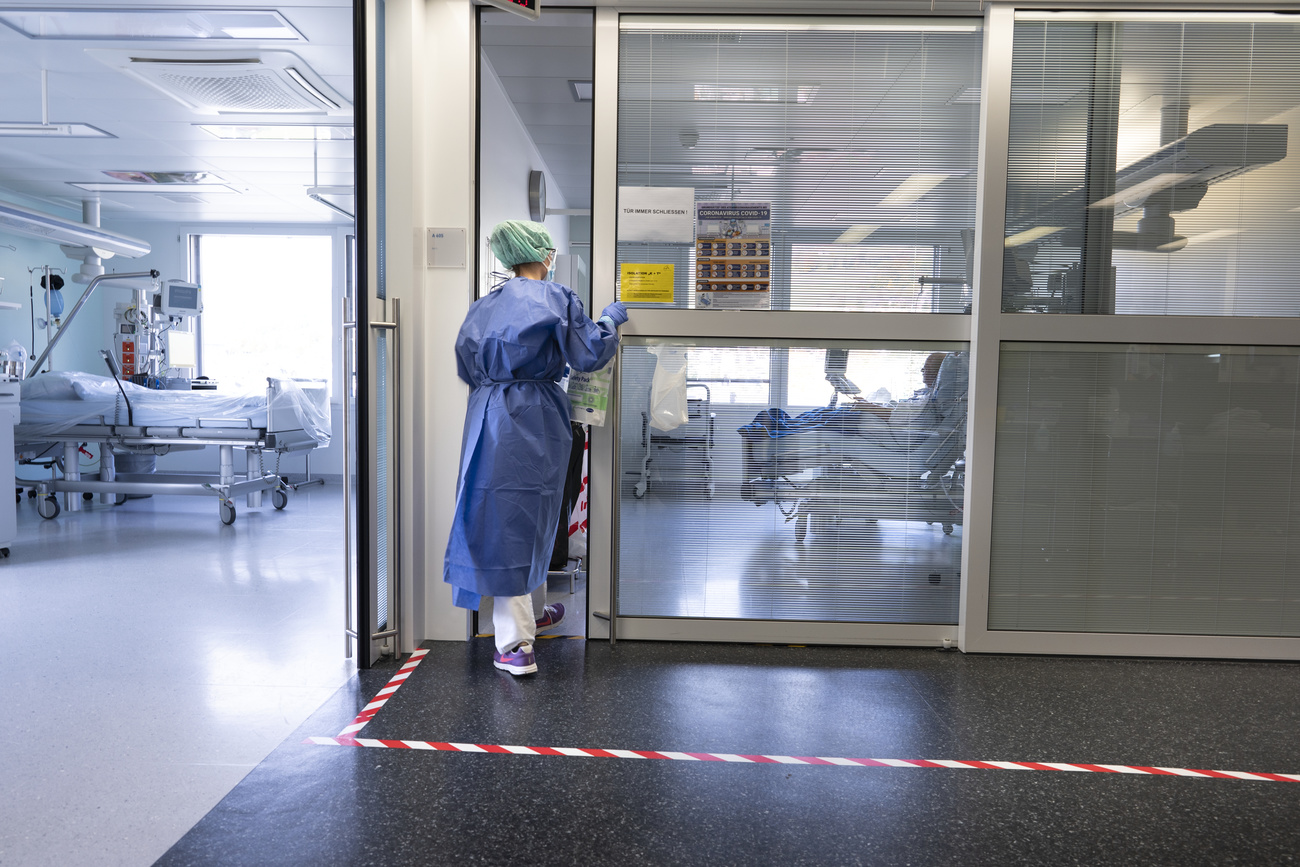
point(1147, 489)
point(1151, 168)
point(791, 481)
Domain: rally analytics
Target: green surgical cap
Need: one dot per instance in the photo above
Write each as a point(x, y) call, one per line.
point(517, 241)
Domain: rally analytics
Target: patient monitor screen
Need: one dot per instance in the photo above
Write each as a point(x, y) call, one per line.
point(181, 299)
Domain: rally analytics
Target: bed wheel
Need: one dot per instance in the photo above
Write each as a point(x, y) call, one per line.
point(227, 512)
point(48, 508)
point(87, 497)
point(4, 552)
point(279, 499)
point(119, 499)
point(639, 490)
point(947, 529)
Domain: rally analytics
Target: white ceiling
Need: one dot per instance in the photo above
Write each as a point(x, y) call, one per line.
point(156, 133)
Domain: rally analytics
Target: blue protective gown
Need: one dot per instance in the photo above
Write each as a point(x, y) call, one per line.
point(512, 350)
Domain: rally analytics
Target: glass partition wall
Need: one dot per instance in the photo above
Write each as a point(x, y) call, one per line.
point(883, 440)
point(799, 476)
point(1144, 497)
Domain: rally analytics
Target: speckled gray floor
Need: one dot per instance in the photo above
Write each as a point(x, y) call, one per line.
point(311, 804)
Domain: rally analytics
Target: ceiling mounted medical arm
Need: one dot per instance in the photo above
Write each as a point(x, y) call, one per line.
point(151, 274)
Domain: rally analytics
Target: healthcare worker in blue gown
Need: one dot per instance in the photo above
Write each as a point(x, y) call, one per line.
point(512, 350)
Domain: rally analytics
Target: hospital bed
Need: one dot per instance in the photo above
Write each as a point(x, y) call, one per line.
point(863, 460)
point(66, 409)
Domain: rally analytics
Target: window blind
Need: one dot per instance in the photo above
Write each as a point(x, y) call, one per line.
point(791, 480)
point(1147, 489)
point(862, 135)
point(1150, 169)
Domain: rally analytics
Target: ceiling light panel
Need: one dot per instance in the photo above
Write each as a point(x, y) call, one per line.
point(780, 93)
point(913, 188)
point(278, 132)
point(116, 188)
point(137, 24)
point(16, 129)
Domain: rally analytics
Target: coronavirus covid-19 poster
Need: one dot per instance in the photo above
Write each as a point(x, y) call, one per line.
point(733, 255)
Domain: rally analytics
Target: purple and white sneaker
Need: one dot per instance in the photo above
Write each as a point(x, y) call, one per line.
point(552, 615)
point(518, 661)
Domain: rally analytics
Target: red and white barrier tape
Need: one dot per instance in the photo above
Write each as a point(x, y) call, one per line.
point(368, 712)
point(801, 760)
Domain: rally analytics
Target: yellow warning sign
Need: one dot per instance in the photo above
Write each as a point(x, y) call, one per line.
point(646, 283)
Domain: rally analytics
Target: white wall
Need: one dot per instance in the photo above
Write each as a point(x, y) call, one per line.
point(77, 349)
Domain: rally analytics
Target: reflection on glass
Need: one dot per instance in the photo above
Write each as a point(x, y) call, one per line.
point(1150, 170)
point(863, 139)
point(1147, 489)
point(791, 482)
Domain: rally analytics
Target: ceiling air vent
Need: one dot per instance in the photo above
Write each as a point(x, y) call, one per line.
point(267, 83)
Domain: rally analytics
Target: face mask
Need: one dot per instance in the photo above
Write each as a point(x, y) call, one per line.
point(550, 268)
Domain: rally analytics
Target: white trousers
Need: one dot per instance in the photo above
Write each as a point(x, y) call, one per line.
point(514, 618)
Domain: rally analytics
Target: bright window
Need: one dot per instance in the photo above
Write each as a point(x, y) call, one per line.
point(267, 304)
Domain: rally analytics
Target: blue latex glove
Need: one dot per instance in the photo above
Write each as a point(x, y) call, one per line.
point(616, 313)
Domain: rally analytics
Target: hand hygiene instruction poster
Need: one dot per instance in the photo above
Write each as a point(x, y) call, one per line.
point(733, 255)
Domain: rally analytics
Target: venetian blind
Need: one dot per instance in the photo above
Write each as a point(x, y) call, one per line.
point(862, 136)
point(1147, 489)
point(1150, 170)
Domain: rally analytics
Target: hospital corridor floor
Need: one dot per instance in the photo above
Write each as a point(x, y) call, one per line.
point(178, 696)
point(152, 657)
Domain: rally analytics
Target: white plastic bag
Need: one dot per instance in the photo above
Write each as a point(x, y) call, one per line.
point(668, 407)
point(589, 395)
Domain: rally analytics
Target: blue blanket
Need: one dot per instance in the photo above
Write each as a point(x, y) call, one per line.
point(776, 423)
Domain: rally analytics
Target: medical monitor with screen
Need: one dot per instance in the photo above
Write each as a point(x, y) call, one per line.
point(181, 299)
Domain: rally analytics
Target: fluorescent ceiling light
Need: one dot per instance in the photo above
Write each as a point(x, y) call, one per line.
point(1042, 95)
point(18, 129)
point(142, 177)
point(788, 93)
point(1029, 235)
point(1202, 238)
point(97, 187)
point(278, 132)
point(136, 24)
point(913, 188)
point(736, 171)
point(1133, 196)
point(582, 91)
point(854, 234)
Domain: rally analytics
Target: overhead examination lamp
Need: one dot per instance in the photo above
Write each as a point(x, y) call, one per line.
point(44, 227)
point(1175, 178)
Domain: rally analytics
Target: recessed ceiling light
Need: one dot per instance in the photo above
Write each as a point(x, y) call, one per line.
point(136, 24)
point(97, 187)
point(1203, 238)
point(34, 129)
point(582, 91)
point(170, 178)
point(1133, 196)
point(854, 234)
point(278, 132)
point(789, 93)
point(1030, 235)
point(913, 188)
